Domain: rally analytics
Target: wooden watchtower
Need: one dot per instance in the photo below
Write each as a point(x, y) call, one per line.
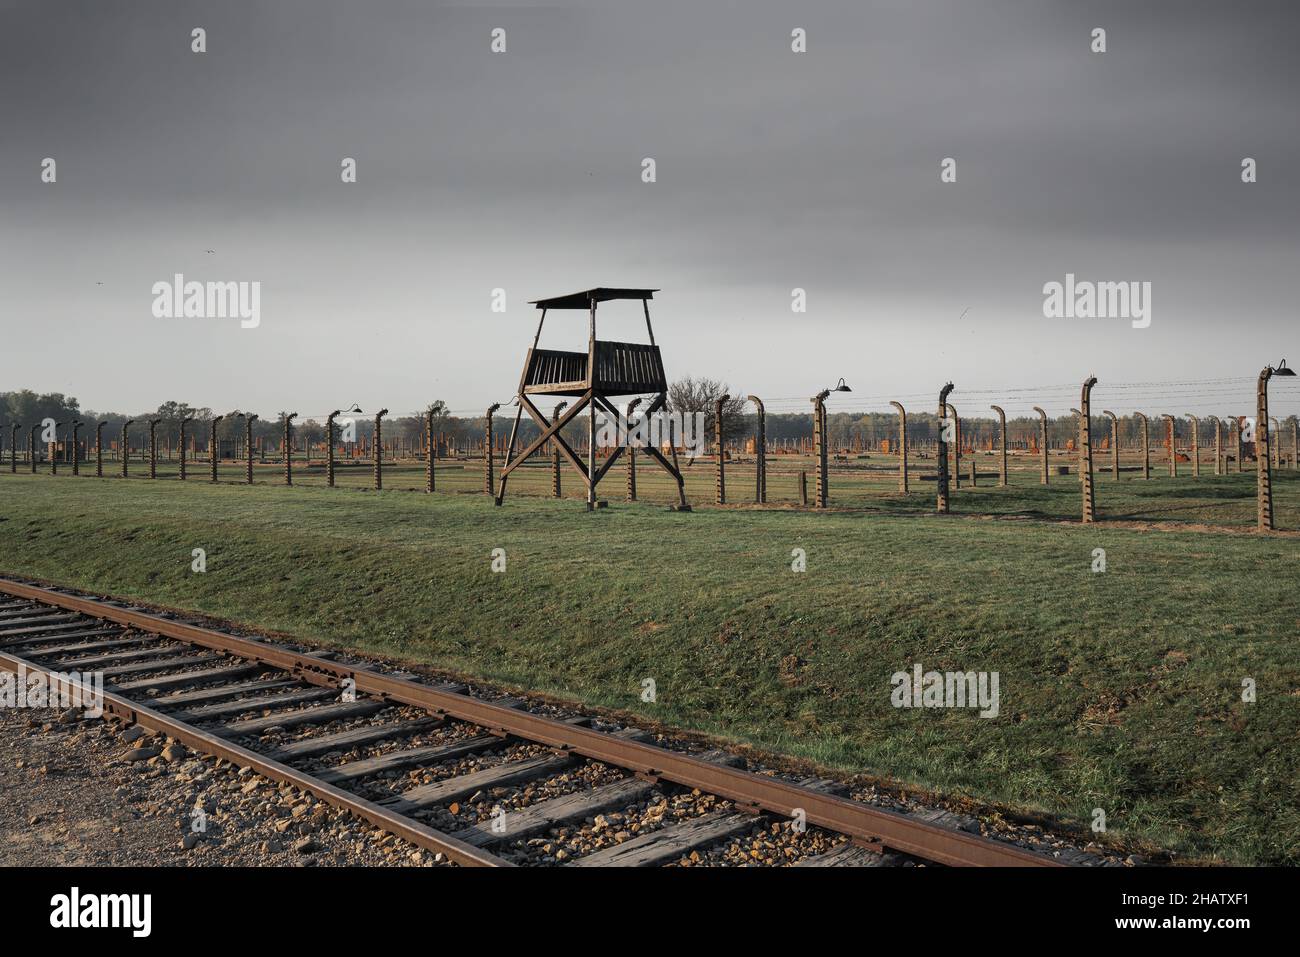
point(606, 370)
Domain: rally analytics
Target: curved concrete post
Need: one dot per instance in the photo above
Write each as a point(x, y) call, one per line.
point(1173, 444)
point(1275, 443)
point(1263, 462)
point(153, 448)
point(760, 449)
point(1042, 424)
point(379, 452)
point(13, 447)
point(212, 447)
point(125, 425)
point(819, 446)
point(487, 445)
point(31, 449)
point(288, 448)
point(430, 451)
point(488, 458)
point(555, 453)
point(1146, 446)
point(1085, 450)
point(1196, 444)
point(76, 448)
point(941, 477)
point(631, 453)
point(1114, 442)
point(718, 405)
point(957, 446)
point(1002, 443)
point(902, 447)
point(99, 449)
point(329, 447)
point(248, 448)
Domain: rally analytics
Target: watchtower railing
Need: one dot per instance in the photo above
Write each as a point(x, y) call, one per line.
point(554, 369)
point(629, 367)
point(622, 368)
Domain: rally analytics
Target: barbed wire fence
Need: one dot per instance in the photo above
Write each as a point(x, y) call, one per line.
point(1029, 439)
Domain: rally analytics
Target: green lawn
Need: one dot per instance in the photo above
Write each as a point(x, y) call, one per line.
point(1119, 690)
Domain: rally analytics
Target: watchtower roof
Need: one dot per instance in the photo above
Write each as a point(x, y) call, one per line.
point(584, 299)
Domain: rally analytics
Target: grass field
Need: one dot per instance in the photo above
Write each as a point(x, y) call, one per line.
point(1120, 690)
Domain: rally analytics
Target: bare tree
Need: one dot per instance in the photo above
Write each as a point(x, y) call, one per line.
point(700, 395)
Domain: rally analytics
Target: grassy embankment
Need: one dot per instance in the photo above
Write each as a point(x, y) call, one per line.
point(1119, 690)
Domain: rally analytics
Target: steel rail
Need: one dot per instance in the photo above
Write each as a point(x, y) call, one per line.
point(404, 827)
point(872, 827)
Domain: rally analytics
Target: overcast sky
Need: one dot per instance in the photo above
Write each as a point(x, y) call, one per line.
point(522, 170)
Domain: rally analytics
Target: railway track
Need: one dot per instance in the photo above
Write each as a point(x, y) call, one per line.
point(337, 730)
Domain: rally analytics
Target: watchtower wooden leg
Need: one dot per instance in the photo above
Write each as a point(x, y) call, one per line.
point(514, 431)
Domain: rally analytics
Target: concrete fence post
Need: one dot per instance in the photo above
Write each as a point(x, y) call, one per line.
point(487, 447)
point(631, 453)
point(760, 448)
point(902, 447)
point(13, 448)
point(184, 422)
point(819, 447)
point(941, 476)
point(1146, 446)
point(76, 448)
point(379, 451)
point(329, 447)
point(718, 405)
point(125, 425)
point(288, 447)
point(431, 451)
point(1042, 425)
point(1085, 450)
point(1275, 443)
point(212, 447)
point(556, 488)
point(248, 448)
point(153, 448)
point(1196, 444)
point(1114, 442)
point(99, 449)
point(1002, 445)
point(1263, 462)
